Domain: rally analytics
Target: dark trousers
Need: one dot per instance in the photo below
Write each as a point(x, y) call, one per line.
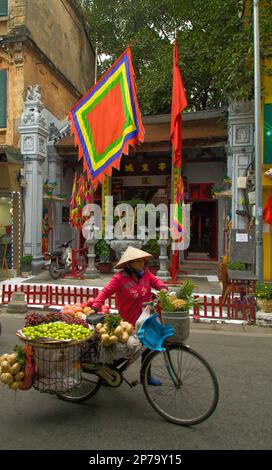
point(145, 353)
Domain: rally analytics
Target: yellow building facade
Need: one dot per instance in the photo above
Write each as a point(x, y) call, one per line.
point(44, 43)
point(267, 164)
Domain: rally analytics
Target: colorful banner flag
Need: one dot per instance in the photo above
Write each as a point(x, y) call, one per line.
point(107, 120)
point(177, 228)
point(73, 205)
point(179, 103)
point(81, 197)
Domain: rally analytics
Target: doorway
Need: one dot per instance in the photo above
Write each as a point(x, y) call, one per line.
point(204, 231)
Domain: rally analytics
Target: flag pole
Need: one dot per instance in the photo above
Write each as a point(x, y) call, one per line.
point(173, 192)
point(258, 158)
point(179, 103)
point(105, 190)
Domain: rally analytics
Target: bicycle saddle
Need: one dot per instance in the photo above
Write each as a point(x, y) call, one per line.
point(95, 318)
point(152, 334)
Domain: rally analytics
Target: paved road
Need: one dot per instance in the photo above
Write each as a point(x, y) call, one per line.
point(123, 419)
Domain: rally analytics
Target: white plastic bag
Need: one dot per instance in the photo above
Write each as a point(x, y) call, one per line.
point(109, 354)
point(144, 315)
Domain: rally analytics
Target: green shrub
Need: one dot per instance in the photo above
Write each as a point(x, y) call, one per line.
point(103, 251)
point(236, 266)
point(263, 291)
point(26, 261)
point(152, 247)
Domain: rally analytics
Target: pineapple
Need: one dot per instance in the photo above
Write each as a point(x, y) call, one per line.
point(179, 304)
point(185, 292)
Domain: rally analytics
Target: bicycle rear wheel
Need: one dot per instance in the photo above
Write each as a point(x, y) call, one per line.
point(89, 386)
point(189, 390)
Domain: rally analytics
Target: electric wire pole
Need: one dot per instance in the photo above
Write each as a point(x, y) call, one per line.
point(258, 156)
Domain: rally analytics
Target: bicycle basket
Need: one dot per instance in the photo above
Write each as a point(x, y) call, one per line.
point(152, 334)
point(57, 364)
point(180, 322)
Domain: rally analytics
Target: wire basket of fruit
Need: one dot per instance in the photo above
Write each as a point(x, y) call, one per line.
point(56, 342)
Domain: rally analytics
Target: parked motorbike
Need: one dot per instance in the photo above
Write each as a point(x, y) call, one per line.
point(60, 260)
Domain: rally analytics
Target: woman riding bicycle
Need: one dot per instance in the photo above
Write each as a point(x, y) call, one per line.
point(188, 389)
point(131, 286)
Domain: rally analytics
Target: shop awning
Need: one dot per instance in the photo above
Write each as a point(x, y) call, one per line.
point(10, 154)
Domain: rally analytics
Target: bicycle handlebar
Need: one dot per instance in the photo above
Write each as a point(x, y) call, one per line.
point(146, 304)
point(65, 244)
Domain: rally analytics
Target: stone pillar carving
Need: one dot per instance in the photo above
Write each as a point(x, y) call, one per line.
point(91, 271)
point(89, 232)
point(33, 133)
point(54, 166)
point(240, 152)
point(163, 242)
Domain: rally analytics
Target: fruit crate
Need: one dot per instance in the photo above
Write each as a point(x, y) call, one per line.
point(57, 363)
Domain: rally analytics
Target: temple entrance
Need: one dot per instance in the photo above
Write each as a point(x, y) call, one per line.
point(204, 231)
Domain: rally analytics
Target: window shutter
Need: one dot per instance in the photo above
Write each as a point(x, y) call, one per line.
point(3, 7)
point(268, 133)
point(3, 98)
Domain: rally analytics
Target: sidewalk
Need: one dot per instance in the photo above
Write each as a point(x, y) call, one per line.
point(204, 284)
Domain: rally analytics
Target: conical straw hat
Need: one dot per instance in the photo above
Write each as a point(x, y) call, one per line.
point(132, 254)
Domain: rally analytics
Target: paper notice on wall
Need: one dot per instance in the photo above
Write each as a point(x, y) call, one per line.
point(242, 237)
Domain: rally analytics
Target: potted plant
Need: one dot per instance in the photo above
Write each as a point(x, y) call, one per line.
point(263, 293)
point(131, 222)
point(103, 252)
point(175, 308)
point(153, 248)
point(238, 266)
point(26, 264)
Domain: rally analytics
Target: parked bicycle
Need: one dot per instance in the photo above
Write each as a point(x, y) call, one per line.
point(189, 390)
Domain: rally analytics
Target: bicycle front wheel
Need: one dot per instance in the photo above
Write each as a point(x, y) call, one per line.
point(88, 387)
point(189, 390)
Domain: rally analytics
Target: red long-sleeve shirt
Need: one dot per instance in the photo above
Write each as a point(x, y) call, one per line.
point(129, 293)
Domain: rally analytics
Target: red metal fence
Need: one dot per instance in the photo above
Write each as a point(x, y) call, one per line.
point(48, 295)
point(209, 307)
point(234, 308)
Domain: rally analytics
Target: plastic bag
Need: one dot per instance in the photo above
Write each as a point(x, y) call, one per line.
point(57, 369)
point(144, 315)
point(109, 354)
point(29, 369)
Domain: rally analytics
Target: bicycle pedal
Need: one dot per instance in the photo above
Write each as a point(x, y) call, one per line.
point(134, 383)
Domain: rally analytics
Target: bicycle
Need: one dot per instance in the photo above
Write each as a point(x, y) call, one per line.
point(189, 390)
